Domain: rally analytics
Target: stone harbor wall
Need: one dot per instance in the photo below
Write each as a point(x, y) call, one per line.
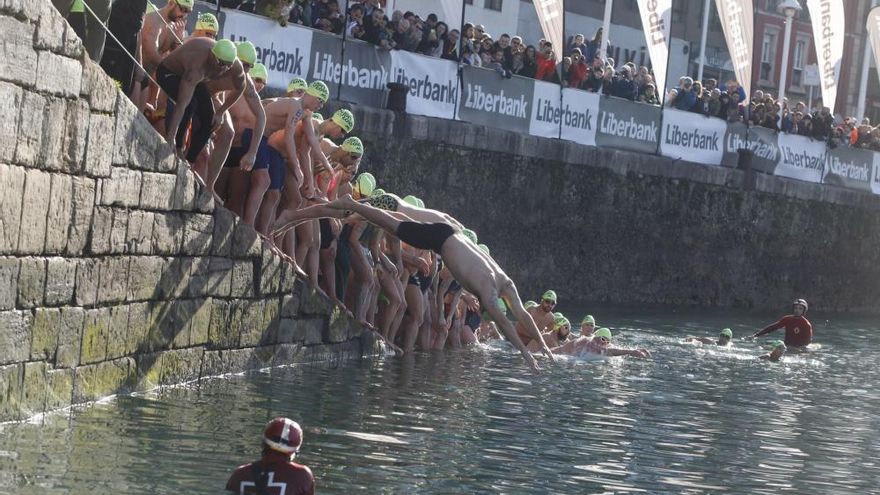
point(117, 273)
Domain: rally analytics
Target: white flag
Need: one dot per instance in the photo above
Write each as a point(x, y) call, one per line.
point(828, 34)
point(657, 24)
point(737, 18)
point(874, 32)
point(550, 14)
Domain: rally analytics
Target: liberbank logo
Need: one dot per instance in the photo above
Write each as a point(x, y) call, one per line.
point(547, 111)
point(802, 160)
point(484, 101)
point(691, 139)
point(848, 169)
point(759, 148)
point(427, 89)
point(627, 128)
point(276, 59)
point(348, 74)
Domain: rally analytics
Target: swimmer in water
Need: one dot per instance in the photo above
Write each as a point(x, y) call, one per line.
point(776, 351)
point(598, 344)
point(798, 329)
point(588, 326)
point(723, 338)
point(559, 334)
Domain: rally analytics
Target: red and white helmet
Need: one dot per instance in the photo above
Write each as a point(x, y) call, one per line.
point(801, 302)
point(283, 435)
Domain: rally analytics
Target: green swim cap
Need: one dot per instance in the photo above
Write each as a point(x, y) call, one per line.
point(315, 115)
point(603, 332)
point(421, 204)
point(377, 192)
point(207, 22)
point(352, 144)
point(470, 234)
point(550, 295)
point(258, 71)
point(344, 119)
point(561, 320)
point(530, 304)
point(297, 84)
point(225, 51)
point(502, 305)
point(365, 184)
point(79, 8)
point(187, 4)
point(411, 200)
point(247, 52)
point(727, 333)
point(319, 90)
point(777, 344)
point(588, 319)
point(485, 249)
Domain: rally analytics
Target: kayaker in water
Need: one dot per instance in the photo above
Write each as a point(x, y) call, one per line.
point(723, 338)
point(775, 353)
point(798, 329)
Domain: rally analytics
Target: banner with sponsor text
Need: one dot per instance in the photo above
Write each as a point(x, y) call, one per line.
point(800, 158)
point(692, 137)
point(829, 31)
point(657, 24)
point(737, 22)
point(579, 114)
point(433, 83)
point(628, 125)
point(362, 73)
point(489, 99)
point(851, 168)
point(762, 142)
point(546, 110)
point(875, 175)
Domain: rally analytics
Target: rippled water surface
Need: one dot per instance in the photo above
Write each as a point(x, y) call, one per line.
point(691, 420)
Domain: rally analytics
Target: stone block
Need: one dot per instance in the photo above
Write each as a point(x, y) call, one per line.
point(167, 323)
point(8, 282)
point(341, 327)
point(219, 334)
point(18, 59)
point(140, 323)
point(293, 331)
point(166, 161)
point(30, 129)
point(158, 191)
point(11, 379)
point(81, 219)
point(86, 291)
point(180, 365)
point(32, 237)
point(219, 283)
point(119, 231)
point(271, 321)
point(59, 388)
point(289, 306)
point(230, 361)
point(11, 96)
point(31, 282)
point(201, 322)
point(174, 282)
point(60, 281)
point(167, 233)
point(58, 75)
point(144, 275)
point(51, 156)
point(102, 91)
point(69, 337)
point(224, 224)
point(312, 330)
point(96, 329)
point(122, 188)
point(243, 279)
point(185, 189)
point(179, 318)
point(12, 186)
point(59, 215)
point(204, 202)
point(50, 29)
point(313, 303)
point(15, 337)
point(44, 333)
point(77, 135)
point(251, 326)
point(33, 389)
point(102, 226)
point(197, 234)
point(99, 147)
point(139, 236)
point(113, 272)
point(117, 339)
point(286, 354)
point(143, 143)
point(245, 241)
point(100, 380)
point(123, 134)
point(270, 273)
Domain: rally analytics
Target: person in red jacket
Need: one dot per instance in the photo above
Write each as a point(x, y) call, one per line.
point(577, 73)
point(546, 63)
point(275, 473)
point(798, 330)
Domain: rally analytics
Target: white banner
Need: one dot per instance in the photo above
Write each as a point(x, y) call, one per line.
point(580, 109)
point(828, 34)
point(546, 111)
point(873, 26)
point(692, 137)
point(433, 83)
point(283, 50)
point(657, 25)
point(737, 21)
point(875, 175)
point(800, 158)
point(550, 13)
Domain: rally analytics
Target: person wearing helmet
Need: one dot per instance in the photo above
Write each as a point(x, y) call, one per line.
point(275, 472)
point(777, 349)
point(798, 329)
point(207, 26)
point(598, 344)
point(234, 179)
point(297, 87)
point(723, 338)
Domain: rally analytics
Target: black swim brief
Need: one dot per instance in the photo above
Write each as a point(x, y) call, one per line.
point(425, 235)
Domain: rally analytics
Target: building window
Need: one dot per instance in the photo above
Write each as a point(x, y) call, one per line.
point(768, 55)
point(468, 2)
point(493, 4)
point(772, 5)
point(797, 64)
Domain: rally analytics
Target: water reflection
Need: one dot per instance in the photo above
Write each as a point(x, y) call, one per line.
point(694, 419)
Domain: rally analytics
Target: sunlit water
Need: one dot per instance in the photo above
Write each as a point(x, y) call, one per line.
point(691, 420)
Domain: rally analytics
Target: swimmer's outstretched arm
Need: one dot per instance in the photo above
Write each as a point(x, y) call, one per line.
point(704, 340)
point(569, 347)
point(637, 353)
